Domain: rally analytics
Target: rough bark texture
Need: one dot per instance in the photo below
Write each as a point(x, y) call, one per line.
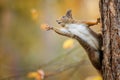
point(110, 17)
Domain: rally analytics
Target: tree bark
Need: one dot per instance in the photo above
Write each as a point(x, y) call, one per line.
point(110, 18)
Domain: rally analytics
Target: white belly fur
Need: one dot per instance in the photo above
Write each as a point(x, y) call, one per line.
point(83, 32)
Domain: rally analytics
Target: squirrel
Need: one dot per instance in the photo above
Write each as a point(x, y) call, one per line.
point(79, 30)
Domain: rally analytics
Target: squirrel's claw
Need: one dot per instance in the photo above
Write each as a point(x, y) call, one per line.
point(98, 20)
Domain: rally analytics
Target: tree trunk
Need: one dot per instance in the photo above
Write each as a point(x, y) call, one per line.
point(110, 18)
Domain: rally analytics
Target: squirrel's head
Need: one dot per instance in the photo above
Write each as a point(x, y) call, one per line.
point(67, 19)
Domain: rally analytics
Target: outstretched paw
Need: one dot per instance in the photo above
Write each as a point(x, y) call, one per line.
point(46, 27)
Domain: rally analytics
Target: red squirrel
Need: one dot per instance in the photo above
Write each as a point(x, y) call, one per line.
point(79, 30)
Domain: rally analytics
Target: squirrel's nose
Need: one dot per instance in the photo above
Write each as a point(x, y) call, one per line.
point(58, 21)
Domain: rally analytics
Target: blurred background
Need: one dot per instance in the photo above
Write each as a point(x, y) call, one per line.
point(25, 48)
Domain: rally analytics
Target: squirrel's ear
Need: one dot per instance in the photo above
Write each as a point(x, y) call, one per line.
point(69, 13)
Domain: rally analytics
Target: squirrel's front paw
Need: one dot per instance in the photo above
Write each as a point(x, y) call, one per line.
point(98, 20)
point(46, 27)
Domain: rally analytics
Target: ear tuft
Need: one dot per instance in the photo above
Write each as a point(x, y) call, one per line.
point(69, 13)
